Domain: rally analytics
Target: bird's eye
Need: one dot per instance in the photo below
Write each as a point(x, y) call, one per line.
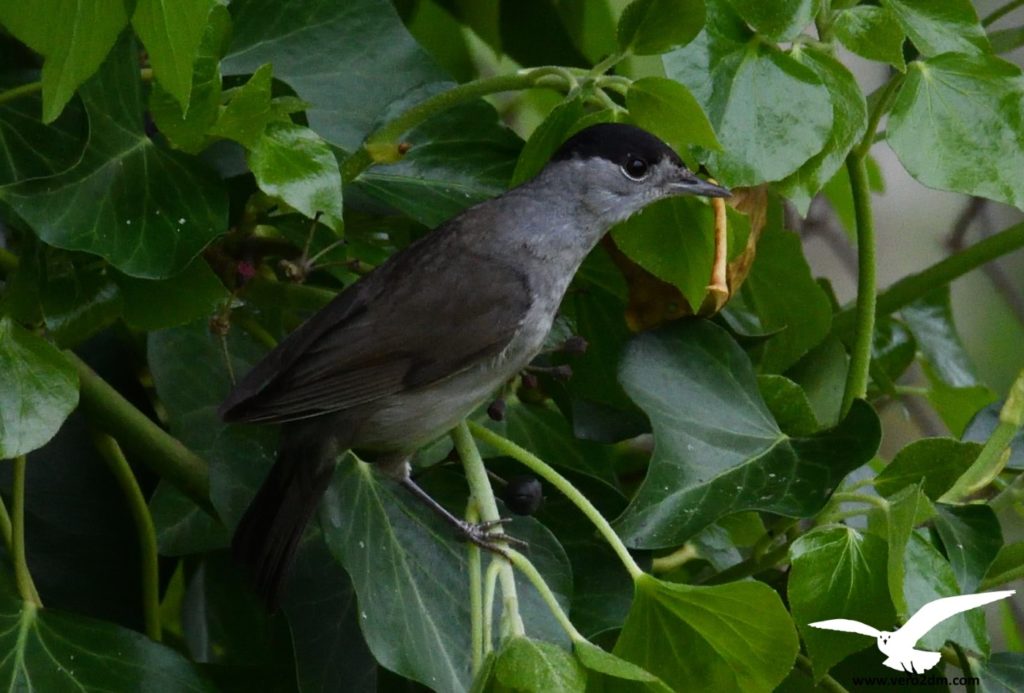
point(635, 168)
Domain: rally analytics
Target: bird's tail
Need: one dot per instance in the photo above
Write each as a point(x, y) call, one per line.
point(269, 533)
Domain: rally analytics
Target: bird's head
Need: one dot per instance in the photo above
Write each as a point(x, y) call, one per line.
point(619, 169)
point(883, 638)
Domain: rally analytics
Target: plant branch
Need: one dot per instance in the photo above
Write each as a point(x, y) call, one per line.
point(476, 595)
point(1001, 12)
point(163, 453)
point(545, 471)
point(524, 566)
point(22, 576)
point(751, 566)
point(860, 352)
point(122, 471)
point(483, 498)
point(20, 91)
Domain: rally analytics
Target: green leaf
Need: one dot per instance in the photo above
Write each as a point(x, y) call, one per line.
point(907, 509)
point(48, 650)
point(788, 404)
point(38, 389)
point(146, 210)
point(172, 35)
point(248, 111)
point(893, 349)
point(936, 463)
point(940, 27)
point(670, 111)
point(837, 572)
point(78, 297)
point(849, 122)
point(1007, 40)
point(984, 423)
point(74, 39)
point(647, 27)
point(732, 637)
point(546, 138)
point(597, 660)
point(1008, 560)
point(955, 126)
point(30, 149)
point(873, 33)
point(717, 448)
point(324, 51)
point(972, 537)
point(728, 76)
point(779, 20)
point(156, 304)
point(535, 666)
point(1003, 672)
point(293, 164)
point(186, 128)
point(822, 375)
point(785, 296)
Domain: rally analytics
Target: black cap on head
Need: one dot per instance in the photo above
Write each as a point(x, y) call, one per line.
point(615, 142)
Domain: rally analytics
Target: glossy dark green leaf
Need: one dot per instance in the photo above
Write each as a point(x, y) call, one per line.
point(822, 375)
point(248, 111)
point(30, 149)
point(971, 536)
point(597, 660)
point(38, 389)
point(546, 138)
point(727, 76)
point(984, 423)
point(893, 349)
point(155, 304)
point(849, 122)
point(182, 527)
point(73, 39)
point(77, 295)
point(1003, 672)
point(534, 32)
point(647, 27)
point(669, 110)
point(172, 36)
point(785, 297)
point(535, 666)
point(717, 448)
point(48, 650)
point(955, 126)
point(146, 210)
point(907, 509)
point(872, 32)
point(324, 51)
point(788, 404)
point(934, 462)
point(458, 158)
point(837, 572)
point(293, 164)
point(736, 636)
point(940, 27)
point(779, 20)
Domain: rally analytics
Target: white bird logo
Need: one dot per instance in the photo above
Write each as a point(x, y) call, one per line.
point(899, 646)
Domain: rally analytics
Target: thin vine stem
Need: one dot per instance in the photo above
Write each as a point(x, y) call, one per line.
point(111, 452)
point(1001, 12)
point(546, 472)
point(22, 576)
point(523, 565)
point(476, 594)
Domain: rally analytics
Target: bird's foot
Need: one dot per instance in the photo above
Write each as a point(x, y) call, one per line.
point(480, 533)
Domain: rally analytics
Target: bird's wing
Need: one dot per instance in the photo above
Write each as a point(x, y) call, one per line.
point(421, 317)
point(846, 625)
point(934, 613)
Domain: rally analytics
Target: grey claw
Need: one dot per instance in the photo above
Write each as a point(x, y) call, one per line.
point(480, 534)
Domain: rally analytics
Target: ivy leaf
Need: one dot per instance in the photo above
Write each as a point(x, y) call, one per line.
point(171, 34)
point(936, 463)
point(597, 660)
point(726, 75)
point(955, 126)
point(38, 390)
point(736, 636)
point(940, 27)
point(546, 138)
point(74, 39)
point(717, 448)
point(247, 112)
point(837, 572)
point(779, 20)
point(648, 27)
point(293, 164)
point(30, 149)
point(155, 304)
point(972, 538)
point(669, 110)
point(535, 666)
point(146, 210)
point(1001, 673)
point(873, 33)
point(788, 404)
point(907, 509)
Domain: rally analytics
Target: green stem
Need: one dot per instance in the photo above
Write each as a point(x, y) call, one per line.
point(1001, 12)
point(5, 528)
point(882, 103)
point(490, 581)
point(916, 286)
point(524, 566)
point(20, 91)
point(111, 453)
point(852, 497)
point(826, 683)
point(860, 356)
point(823, 22)
point(382, 146)
point(684, 554)
point(476, 595)
point(483, 498)
point(163, 453)
point(751, 566)
point(22, 576)
point(543, 470)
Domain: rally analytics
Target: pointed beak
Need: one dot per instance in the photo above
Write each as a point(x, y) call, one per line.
point(690, 184)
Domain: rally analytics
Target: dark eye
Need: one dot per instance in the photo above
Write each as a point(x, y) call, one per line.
point(635, 168)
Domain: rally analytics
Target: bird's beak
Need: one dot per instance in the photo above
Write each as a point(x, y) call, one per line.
point(689, 184)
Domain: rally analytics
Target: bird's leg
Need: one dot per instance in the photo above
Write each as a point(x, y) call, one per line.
point(477, 532)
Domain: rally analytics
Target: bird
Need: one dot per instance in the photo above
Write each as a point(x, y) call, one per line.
point(403, 354)
point(899, 645)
